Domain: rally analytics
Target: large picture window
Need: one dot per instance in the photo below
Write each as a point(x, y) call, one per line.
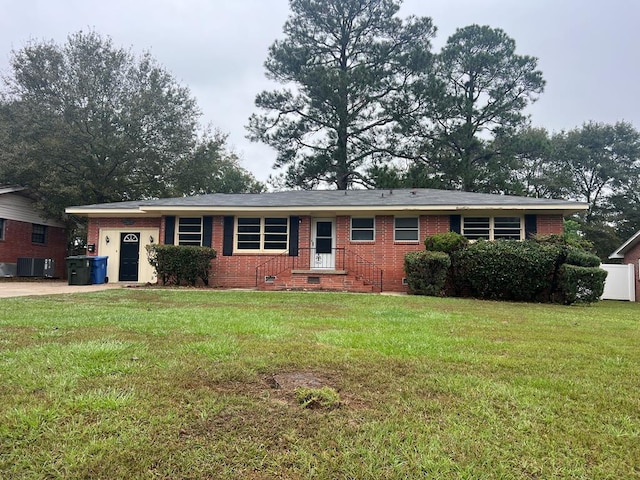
point(39, 234)
point(406, 229)
point(492, 228)
point(189, 231)
point(362, 229)
point(262, 234)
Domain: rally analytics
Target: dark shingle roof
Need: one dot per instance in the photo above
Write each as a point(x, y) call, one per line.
point(337, 199)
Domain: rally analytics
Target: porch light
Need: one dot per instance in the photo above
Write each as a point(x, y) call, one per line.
point(107, 239)
point(150, 238)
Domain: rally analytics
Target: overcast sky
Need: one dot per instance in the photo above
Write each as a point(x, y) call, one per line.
point(588, 50)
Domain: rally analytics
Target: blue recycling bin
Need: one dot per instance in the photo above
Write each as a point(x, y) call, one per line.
point(99, 270)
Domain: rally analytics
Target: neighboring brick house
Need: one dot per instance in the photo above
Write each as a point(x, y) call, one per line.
point(629, 254)
point(351, 240)
point(25, 234)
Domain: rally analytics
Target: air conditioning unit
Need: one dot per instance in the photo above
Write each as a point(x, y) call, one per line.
point(35, 267)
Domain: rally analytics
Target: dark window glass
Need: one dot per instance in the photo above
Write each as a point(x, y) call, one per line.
point(362, 229)
point(39, 234)
point(406, 229)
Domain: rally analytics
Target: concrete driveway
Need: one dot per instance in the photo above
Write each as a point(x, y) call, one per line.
point(48, 287)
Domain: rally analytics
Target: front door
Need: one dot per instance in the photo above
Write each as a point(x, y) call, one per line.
point(129, 256)
point(322, 244)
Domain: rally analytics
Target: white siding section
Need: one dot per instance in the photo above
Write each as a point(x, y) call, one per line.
point(17, 207)
point(620, 282)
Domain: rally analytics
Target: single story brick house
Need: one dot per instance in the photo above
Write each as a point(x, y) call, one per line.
point(629, 254)
point(351, 240)
point(30, 245)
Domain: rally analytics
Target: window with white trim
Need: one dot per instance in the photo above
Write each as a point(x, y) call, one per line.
point(189, 231)
point(492, 228)
point(39, 234)
point(406, 229)
point(2, 222)
point(262, 234)
point(362, 229)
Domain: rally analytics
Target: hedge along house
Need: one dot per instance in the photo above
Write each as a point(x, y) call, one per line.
point(352, 240)
point(30, 245)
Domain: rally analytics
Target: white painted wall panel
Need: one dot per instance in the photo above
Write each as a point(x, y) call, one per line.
point(18, 207)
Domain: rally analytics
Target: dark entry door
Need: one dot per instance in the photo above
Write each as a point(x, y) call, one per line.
point(129, 256)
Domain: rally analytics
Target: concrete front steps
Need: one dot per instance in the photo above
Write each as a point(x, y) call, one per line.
point(321, 280)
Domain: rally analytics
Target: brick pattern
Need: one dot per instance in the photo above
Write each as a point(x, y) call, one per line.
point(633, 257)
point(17, 243)
point(239, 270)
point(550, 224)
point(95, 224)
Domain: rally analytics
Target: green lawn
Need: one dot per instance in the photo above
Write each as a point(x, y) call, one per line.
point(170, 384)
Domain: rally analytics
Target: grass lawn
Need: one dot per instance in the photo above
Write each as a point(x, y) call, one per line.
point(172, 384)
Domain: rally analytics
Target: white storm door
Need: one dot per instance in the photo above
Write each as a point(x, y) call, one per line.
point(323, 254)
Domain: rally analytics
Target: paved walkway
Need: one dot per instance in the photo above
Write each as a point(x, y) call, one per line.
point(48, 287)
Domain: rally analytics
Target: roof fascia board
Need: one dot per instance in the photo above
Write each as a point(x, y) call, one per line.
point(620, 252)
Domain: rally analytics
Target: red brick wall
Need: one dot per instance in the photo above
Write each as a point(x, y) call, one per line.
point(239, 270)
point(550, 224)
point(632, 257)
point(17, 243)
point(95, 224)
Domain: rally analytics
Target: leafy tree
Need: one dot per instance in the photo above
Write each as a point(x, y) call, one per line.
point(480, 91)
point(349, 66)
point(211, 168)
point(601, 161)
point(87, 122)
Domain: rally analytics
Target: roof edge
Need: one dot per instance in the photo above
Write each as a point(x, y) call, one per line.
point(626, 246)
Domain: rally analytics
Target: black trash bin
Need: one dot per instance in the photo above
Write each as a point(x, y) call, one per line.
point(79, 270)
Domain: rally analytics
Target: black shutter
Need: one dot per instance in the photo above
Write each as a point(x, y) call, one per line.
point(294, 229)
point(207, 231)
point(227, 237)
point(530, 225)
point(455, 223)
point(169, 229)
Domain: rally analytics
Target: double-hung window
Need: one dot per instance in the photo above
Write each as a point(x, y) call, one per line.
point(492, 228)
point(39, 234)
point(405, 229)
point(262, 234)
point(2, 222)
point(362, 229)
point(189, 231)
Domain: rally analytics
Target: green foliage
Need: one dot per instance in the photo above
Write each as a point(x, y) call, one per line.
point(480, 88)
point(175, 264)
point(349, 66)
point(580, 284)
point(87, 122)
point(426, 272)
point(531, 271)
point(448, 242)
point(506, 270)
point(325, 397)
point(580, 258)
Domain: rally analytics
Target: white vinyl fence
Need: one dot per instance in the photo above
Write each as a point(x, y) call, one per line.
point(620, 283)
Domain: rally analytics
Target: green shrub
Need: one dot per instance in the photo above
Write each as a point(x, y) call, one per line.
point(426, 272)
point(175, 264)
point(448, 242)
point(580, 258)
point(531, 271)
point(579, 284)
point(506, 270)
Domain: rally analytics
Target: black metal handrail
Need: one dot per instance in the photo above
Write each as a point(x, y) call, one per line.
point(340, 259)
